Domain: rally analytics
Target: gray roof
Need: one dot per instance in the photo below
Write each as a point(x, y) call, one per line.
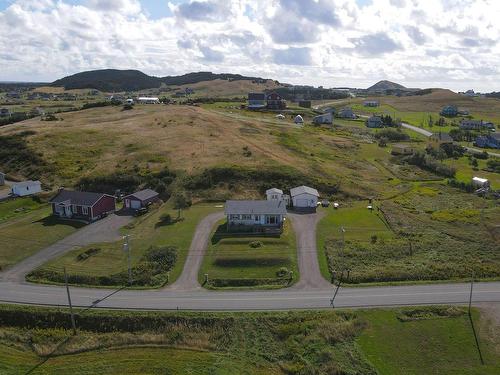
point(23, 184)
point(274, 190)
point(80, 198)
point(442, 137)
point(144, 194)
point(303, 190)
point(272, 207)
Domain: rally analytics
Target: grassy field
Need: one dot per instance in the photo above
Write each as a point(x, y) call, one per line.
point(358, 222)
point(109, 260)
point(428, 345)
point(232, 262)
point(416, 341)
point(436, 236)
point(26, 227)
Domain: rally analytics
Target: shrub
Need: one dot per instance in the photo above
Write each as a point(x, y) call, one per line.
point(392, 135)
point(428, 162)
point(256, 244)
point(164, 257)
point(282, 272)
point(493, 165)
point(87, 254)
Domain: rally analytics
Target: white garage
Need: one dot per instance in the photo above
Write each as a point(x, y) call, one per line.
point(304, 198)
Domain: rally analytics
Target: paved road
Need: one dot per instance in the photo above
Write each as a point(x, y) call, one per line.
point(251, 300)
point(189, 277)
point(105, 230)
point(304, 226)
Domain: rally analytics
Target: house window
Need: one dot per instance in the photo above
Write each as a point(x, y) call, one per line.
point(85, 210)
point(257, 217)
point(246, 217)
point(271, 220)
point(74, 209)
point(234, 217)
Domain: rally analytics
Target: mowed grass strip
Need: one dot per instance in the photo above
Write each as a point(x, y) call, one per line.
point(146, 231)
point(25, 233)
point(431, 345)
point(359, 223)
point(232, 257)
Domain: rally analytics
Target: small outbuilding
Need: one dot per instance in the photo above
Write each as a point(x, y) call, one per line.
point(479, 182)
point(82, 205)
point(304, 198)
point(148, 100)
point(25, 188)
point(298, 119)
point(374, 122)
point(141, 199)
point(326, 118)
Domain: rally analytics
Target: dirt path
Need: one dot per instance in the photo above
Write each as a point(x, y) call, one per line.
point(188, 280)
point(305, 231)
point(105, 230)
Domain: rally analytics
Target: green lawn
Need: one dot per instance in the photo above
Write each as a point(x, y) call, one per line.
point(26, 232)
point(358, 222)
point(434, 345)
point(145, 231)
point(230, 261)
point(465, 172)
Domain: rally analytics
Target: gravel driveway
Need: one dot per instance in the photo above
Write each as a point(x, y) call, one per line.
point(304, 226)
point(105, 230)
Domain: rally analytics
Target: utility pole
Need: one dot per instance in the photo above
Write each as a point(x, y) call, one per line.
point(126, 247)
point(470, 295)
point(337, 290)
point(73, 324)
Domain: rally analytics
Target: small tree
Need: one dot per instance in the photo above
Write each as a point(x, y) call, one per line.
point(180, 200)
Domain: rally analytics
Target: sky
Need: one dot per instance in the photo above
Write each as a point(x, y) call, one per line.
point(332, 43)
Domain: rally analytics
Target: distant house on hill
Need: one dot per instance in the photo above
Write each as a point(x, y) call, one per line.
point(347, 113)
point(5, 112)
point(255, 216)
point(148, 100)
point(374, 122)
point(24, 188)
point(439, 139)
point(256, 100)
point(140, 199)
point(371, 103)
point(467, 124)
point(449, 111)
point(304, 198)
point(275, 101)
point(490, 140)
point(326, 118)
point(82, 205)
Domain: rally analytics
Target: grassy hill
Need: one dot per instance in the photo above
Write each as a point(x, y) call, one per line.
point(386, 85)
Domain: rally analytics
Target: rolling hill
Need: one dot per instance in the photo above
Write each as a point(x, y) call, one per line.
point(386, 85)
point(113, 80)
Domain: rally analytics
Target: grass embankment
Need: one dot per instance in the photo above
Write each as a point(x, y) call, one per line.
point(415, 341)
point(106, 264)
point(235, 261)
point(26, 226)
point(438, 234)
point(204, 343)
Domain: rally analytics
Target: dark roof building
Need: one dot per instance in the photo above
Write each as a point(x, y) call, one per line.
point(141, 199)
point(82, 205)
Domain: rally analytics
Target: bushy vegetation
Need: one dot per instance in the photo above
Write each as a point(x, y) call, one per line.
point(493, 165)
point(263, 179)
point(16, 156)
point(428, 162)
point(393, 135)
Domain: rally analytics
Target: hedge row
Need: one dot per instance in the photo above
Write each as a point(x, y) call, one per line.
point(248, 282)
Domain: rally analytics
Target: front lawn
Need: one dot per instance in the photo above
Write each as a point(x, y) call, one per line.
point(250, 261)
point(27, 227)
point(106, 264)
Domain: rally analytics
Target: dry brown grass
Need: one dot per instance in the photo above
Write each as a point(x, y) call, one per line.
point(221, 88)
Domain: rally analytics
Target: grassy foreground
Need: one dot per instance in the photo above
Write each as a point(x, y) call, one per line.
point(429, 340)
point(250, 261)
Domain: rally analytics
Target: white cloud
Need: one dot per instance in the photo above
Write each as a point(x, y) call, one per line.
point(450, 43)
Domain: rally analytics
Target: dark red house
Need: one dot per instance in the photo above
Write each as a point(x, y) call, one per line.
point(275, 101)
point(140, 199)
point(82, 205)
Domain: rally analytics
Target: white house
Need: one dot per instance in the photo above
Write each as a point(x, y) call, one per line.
point(304, 198)
point(255, 216)
point(277, 194)
point(24, 188)
point(148, 100)
point(479, 182)
point(298, 119)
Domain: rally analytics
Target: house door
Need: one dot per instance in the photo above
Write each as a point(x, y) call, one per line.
point(127, 203)
point(67, 211)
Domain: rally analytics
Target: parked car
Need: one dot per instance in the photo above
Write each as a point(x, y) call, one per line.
point(140, 211)
point(325, 203)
